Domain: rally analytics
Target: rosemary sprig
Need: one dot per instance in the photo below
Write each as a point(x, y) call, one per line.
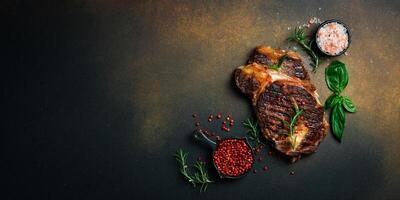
point(278, 66)
point(300, 37)
point(200, 177)
point(292, 124)
point(253, 131)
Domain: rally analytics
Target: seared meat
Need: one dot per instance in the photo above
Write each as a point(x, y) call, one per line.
point(275, 94)
point(293, 67)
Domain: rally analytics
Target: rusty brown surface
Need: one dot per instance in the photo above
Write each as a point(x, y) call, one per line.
point(188, 52)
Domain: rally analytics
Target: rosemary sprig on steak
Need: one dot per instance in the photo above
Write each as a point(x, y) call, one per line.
point(198, 178)
point(300, 37)
point(292, 124)
point(270, 92)
point(278, 66)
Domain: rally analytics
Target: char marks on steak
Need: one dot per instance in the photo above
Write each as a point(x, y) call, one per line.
point(274, 95)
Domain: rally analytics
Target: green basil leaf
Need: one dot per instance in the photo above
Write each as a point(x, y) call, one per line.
point(348, 104)
point(338, 119)
point(332, 101)
point(336, 76)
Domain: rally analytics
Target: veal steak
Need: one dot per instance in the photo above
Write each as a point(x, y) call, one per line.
point(276, 93)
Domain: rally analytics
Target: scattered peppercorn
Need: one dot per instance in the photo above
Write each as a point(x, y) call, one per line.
point(224, 128)
point(265, 168)
point(291, 173)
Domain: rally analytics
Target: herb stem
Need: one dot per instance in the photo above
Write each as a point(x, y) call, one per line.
point(278, 66)
point(253, 131)
point(292, 124)
point(300, 37)
point(200, 177)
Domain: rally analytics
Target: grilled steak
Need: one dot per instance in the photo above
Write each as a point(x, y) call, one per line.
point(275, 95)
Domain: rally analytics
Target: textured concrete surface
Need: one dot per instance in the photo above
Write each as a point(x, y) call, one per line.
point(107, 89)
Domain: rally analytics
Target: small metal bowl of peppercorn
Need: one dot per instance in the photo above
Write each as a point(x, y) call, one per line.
point(332, 37)
point(233, 158)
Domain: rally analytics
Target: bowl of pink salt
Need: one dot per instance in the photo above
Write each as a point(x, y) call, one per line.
point(332, 37)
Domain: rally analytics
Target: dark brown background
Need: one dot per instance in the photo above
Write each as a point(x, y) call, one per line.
point(104, 91)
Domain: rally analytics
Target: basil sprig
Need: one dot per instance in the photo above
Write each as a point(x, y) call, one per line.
point(337, 78)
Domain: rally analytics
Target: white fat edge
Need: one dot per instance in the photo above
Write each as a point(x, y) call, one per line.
point(316, 96)
point(300, 132)
point(276, 76)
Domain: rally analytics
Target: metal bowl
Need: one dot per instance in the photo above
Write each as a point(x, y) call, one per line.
point(199, 135)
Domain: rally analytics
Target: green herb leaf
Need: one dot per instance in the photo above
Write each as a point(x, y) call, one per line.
point(292, 124)
point(199, 178)
point(338, 119)
point(278, 66)
point(336, 76)
point(300, 38)
point(332, 101)
point(282, 59)
point(348, 104)
point(253, 131)
point(274, 67)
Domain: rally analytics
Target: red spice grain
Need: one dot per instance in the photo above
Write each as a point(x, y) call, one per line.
point(255, 171)
point(219, 116)
point(265, 168)
point(224, 128)
point(233, 157)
